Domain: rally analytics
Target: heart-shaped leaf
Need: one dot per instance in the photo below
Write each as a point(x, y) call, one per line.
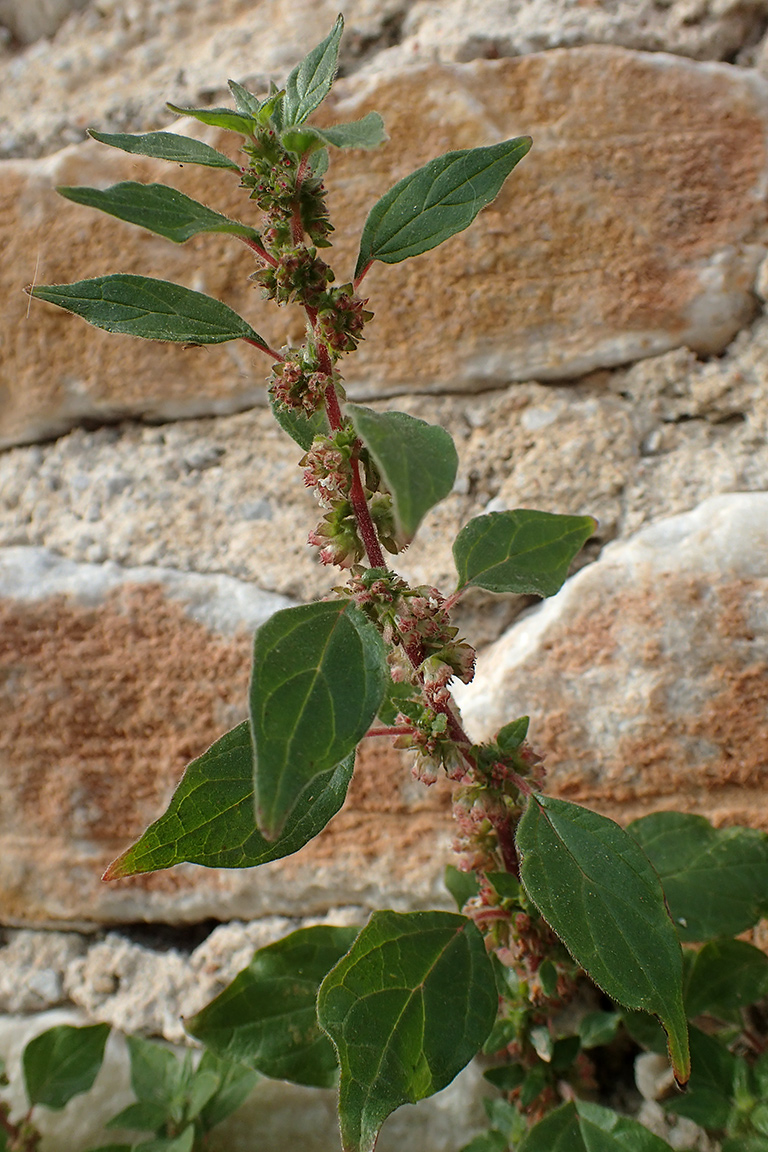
point(157, 208)
point(267, 1016)
point(417, 461)
point(436, 202)
point(220, 118)
point(63, 1062)
point(310, 81)
point(521, 551)
point(715, 880)
point(319, 675)
point(585, 1127)
point(408, 1006)
point(210, 819)
point(596, 889)
point(152, 309)
point(166, 146)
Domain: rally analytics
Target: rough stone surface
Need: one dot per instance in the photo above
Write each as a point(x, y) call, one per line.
point(115, 63)
point(620, 248)
point(646, 675)
point(276, 1116)
point(110, 685)
point(627, 447)
point(28, 20)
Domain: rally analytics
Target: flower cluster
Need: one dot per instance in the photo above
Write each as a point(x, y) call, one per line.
point(341, 318)
point(297, 383)
point(298, 275)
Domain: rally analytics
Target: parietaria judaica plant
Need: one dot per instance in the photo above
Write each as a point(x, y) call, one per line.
point(547, 891)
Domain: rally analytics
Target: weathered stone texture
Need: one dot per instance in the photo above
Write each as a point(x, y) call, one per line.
point(635, 225)
point(104, 699)
point(646, 676)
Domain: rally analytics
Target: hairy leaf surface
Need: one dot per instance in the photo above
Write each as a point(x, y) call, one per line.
point(597, 890)
point(436, 201)
point(210, 819)
point(319, 675)
point(267, 1016)
point(157, 208)
point(310, 81)
point(715, 880)
point(368, 132)
point(417, 461)
point(153, 309)
point(219, 118)
point(63, 1062)
point(520, 551)
point(408, 1006)
point(166, 146)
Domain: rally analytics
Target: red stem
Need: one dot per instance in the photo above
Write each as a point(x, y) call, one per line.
point(257, 248)
point(364, 523)
point(264, 348)
point(394, 730)
point(359, 279)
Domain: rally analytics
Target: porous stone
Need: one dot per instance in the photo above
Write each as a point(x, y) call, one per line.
point(619, 249)
point(114, 64)
point(646, 676)
point(111, 682)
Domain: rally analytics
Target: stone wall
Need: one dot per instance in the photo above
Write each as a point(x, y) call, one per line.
point(596, 343)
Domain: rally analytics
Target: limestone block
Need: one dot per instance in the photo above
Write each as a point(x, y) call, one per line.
point(111, 681)
point(646, 676)
point(634, 226)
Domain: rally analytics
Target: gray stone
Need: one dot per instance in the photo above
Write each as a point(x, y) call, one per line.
point(28, 20)
point(645, 676)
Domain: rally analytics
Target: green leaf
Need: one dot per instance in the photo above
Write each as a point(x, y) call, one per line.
point(310, 81)
point(584, 1127)
point(152, 309)
point(219, 118)
point(511, 736)
point(156, 1073)
point(598, 1028)
point(166, 146)
point(300, 427)
point(521, 551)
point(142, 1116)
point(157, 208)
point(709, 1097)
point(745, 1144)
point(319, 674)
point(182, 1143)
point(210, 819)
point(726, 976)
point(368, 132)
point(63, 1062)
point(436, 202)
point(417, 461)
point(408, 1006)
point(267, 1017)
point(715, 880)
point(236, 1082)
point(245, 102)
point(596, 889)
point(461, 885)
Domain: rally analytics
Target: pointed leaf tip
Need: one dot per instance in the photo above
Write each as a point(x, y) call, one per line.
point(597, 890)
point(407, 1008)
